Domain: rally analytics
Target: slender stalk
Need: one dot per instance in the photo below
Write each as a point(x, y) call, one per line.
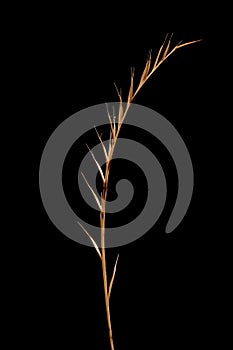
point(104, 266)
point(107, 290)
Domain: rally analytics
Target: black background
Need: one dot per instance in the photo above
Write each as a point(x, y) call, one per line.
point(162, 293)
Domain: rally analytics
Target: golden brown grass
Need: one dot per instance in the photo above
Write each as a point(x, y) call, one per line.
point(164, 52)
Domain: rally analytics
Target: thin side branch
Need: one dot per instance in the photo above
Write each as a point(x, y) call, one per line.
point(120, 112)
point(146, 69)
point(131, 86)
point(97, 163)
point(109, 117)
point(92, 240)
point(92, 191)
point(113, 276)
point(102, 144)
